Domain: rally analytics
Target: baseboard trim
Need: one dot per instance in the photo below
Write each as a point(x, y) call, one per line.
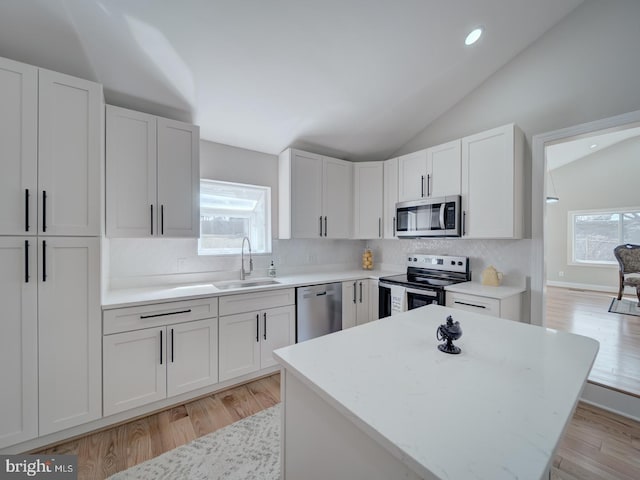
point(612, 401)
point(588, 286)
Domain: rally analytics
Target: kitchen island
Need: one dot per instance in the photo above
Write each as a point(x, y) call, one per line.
point(380, 401)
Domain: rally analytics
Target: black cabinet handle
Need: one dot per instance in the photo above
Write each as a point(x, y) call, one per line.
point(265, 324)
point(165, 314)
point(26, 210)
point(257, 327)
point(151, 219)
point(360, 291)
point(464, 223)
point(44, 210)
point(422, 186)
point(44, 260)
point(354, 291)
point(379, 227)
point(26, 261)
point(394, 226)
point(320, 225)
point(161, 219)
point(325, 226)
point(160, 347)
point(428, 188)
point(172, 345)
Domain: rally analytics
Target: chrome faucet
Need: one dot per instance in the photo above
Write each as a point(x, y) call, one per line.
point(243, 272)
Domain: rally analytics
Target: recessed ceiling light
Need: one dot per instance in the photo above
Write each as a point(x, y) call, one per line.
point(473, 36)
point(593, 145)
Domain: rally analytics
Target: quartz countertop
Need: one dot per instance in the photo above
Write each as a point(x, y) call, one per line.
point(496, 411)
point(129, 297)
point(476, 288)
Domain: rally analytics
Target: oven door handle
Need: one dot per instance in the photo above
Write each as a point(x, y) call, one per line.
point(443, 205)
point(424, 293)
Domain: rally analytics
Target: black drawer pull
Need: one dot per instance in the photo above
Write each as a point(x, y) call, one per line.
point(469, 304)
point(165, 314)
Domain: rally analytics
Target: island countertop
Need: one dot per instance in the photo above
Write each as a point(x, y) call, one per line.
point(497, 410)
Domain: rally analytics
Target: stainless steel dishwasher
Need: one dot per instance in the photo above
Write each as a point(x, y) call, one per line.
point(319, 310)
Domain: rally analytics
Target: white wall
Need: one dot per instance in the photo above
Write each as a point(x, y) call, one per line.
point(606, 179)
point(139, 261)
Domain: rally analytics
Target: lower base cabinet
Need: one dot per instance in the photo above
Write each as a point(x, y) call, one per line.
point(359, 302)
point(247, 340)
point(508, 307)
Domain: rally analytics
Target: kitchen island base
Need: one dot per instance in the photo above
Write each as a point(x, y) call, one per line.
point(320, 443)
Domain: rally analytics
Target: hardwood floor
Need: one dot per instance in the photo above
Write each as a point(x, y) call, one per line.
point(597, 444)
point(106, 452)
point(617, 365)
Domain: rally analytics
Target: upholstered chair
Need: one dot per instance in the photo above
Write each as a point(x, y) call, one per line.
point(628, 257)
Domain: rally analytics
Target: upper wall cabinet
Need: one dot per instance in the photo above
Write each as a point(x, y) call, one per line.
point(368, 200)
point(315, 196)
point(432, 172)
point(492, 183)
point(50, 142)
point(153, 176)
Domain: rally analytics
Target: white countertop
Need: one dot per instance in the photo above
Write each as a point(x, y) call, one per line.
point(497, 410)
point(129, 297)
point(475, 288)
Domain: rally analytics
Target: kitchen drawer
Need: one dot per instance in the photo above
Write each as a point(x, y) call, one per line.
point(474, 303)
point(249, 302)
point(159, 314)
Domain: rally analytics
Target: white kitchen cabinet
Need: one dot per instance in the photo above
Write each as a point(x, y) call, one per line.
point(443, 169)
point(19, 340)
point(69, 154)
point(252, 325)
point(143, 366)
point(18, 148)
point(374, 296)
point(412, 170)
point(503, 307)
point(50, 142)
point(492, 183)
point(153, 175)
point(390, 191)
point(356, 307)
point(315, 196)
point(368, 199)
point(68, 332)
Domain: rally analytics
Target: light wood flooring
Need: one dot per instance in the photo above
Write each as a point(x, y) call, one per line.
point(617, 365)
point(597, 444)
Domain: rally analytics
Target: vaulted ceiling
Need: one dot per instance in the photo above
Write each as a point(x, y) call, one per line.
point(350, 78)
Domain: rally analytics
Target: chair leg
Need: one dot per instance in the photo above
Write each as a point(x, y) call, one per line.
point(638, 294)
point(621, 287)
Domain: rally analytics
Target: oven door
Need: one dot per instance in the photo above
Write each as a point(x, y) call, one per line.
point(417, 298)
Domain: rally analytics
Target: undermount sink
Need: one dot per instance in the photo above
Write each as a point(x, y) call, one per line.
point(226, 285)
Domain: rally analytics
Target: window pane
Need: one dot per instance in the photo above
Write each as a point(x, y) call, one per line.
point(631, 228)
point(595, 237)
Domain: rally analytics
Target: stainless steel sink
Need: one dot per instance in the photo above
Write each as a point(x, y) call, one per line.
point(226, 285)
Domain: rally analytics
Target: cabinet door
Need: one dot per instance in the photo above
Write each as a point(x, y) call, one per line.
point(362, 293)
point(178, 178)
point(443, 169)
point(69, 336)
point(368, 199)
point(492, 184)
point(239, 344)
point(192, 355)
point(18, 147)
point(18, 340)
point(390, 197)
point(338, 198)
point(412, 171)
point(306, 195)
point(349, 304)
point(278, 329)
point(374, 295)
point(131, 173)
point(135, 366)
point(69, 154)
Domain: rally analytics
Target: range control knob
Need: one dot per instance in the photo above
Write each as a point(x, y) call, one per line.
point(453, 262)
point(460, 263)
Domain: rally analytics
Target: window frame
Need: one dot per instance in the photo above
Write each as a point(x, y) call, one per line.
point(571, 214)
point(267, 227)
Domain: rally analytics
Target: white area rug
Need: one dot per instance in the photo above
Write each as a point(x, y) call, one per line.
point(624, 306)
point(246, 450)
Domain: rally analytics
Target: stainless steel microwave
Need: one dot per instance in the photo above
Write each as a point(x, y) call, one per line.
point(430, 217)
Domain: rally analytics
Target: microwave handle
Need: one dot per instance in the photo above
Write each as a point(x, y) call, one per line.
point(443, 206)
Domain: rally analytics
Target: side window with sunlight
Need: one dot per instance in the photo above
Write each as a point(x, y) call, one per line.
point(231, 211)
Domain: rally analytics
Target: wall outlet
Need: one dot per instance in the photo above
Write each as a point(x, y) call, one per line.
point(561, 274)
